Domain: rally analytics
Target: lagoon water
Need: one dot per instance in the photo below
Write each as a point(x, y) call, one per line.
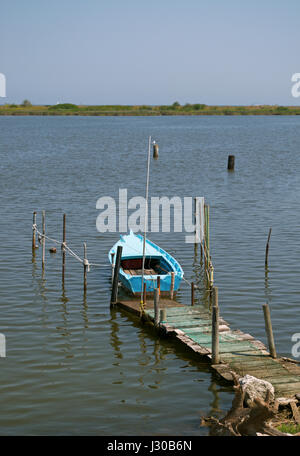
point(74, 366)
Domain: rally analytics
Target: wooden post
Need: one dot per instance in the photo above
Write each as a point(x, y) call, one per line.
point(155, 151)
point(114, 290)
point(269, 330)
point(33, 232)
point(267, 248)
point(85, 268)
point(144, 294)
point(215, 296)
point(215, 335)
point(158, 284)
point(230, 165)
point(112, 265)
point(172, 284)
point(206, 216)
point(163, 316)
point(43, 239)
point(195, 220)
point(63, 250)
point(156, 307)
point(192, 293)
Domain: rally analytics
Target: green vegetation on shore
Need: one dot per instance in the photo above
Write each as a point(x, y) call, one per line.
point(69, 109)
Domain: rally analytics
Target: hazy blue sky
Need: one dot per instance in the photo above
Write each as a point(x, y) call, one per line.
point(150, 51)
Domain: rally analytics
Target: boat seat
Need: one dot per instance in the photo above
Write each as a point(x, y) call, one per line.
point(139, 271)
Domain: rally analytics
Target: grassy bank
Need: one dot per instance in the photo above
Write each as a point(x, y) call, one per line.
point(68, 109)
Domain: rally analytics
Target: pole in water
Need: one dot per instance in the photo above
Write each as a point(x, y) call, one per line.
point(267, 248)
point(158, 284)
point(44, 239)
point(172, 284)
point(215, 296)
point(269, 330)
point(33, 232)
point(230, 165)
point(63, 250)
point(85, 268)
point(156, 307)
point(215, 335)
point(192, 293)
point(144, 294)
point(155, 150)
point(114, 290)
point(112, 265)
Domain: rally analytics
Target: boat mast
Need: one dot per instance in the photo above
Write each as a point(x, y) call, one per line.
point(146, 222)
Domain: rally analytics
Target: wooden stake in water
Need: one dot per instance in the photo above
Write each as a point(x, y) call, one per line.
point(63, 250)
point(230, 164)
point(33, 232)
point(156, 307)
point(267, 248)
point(85, 267)
point(43, 239)
point(114, 290)
point(192, 293)
point(112, 266)
point(145, 294)
point(269, 330)
point(172, 284)
point(215, 335)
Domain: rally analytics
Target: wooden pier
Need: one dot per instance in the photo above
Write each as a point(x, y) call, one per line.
point(239, 353)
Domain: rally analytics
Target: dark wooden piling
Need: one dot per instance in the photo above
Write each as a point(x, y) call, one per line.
point(85, 267)
point(215, 327)
point(158, 284)
point(155, 151)
point(269, 330)
point(156, 307)
point(230, 164)
point(192, 293)
point(267, 248)
point(114, 290)
point(112, 266)
point(63, 250)
point(33, 232)
point(43, 239)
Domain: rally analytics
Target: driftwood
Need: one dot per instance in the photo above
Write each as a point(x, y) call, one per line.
point(242, 420)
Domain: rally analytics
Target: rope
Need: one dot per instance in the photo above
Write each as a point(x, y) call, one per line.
point(67, 248)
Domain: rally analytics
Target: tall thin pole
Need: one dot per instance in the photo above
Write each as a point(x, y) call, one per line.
point(146, 220)
point(43, 239)
point(64, 250)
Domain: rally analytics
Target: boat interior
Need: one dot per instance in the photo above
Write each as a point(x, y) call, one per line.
point(153, 266)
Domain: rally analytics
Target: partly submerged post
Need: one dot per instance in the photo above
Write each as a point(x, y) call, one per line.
point(85, 267)
point(114, 290)
point(63, 250)
point(155, 150)
point(43, 239)
point(112, 265)
point(172, 284)
point(33, 232)
point(267, 248)
point(215, 335)
point(156, 307)
point(269, 330)
point(192, 293)
point(230, 165)
point(206, 236)
point(215, 296)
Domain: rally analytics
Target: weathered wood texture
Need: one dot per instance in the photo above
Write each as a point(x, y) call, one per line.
point(239, 353)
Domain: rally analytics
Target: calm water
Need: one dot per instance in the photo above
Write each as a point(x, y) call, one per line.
point(73, 366)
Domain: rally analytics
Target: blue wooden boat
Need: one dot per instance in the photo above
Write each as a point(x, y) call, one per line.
point(157, 263)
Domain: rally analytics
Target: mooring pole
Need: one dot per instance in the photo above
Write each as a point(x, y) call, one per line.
point(156, 307)
point(112, 265)
point(267, 248)
point(85, 268)
point(44, 239)
point(114, 290)
point(215, 327)
point(192, 293)
point(269, 330)
point(33, 232)
point(230, 165)
point(172, 284)
point(155, 150)
point(145, 294)
point(63, 250)
point(158, 284)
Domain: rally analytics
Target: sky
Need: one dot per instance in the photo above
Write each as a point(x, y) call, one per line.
point(150, 52)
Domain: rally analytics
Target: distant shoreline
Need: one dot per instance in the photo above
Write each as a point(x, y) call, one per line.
point(68, 109)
